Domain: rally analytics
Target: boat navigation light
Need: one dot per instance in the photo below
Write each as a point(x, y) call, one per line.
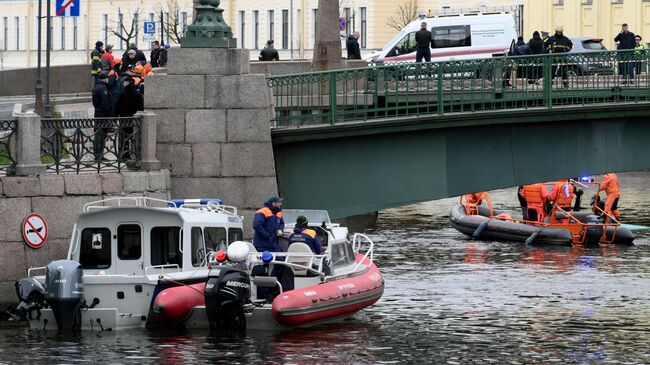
point(220, 256)
point(267, 257)
point(238, 251)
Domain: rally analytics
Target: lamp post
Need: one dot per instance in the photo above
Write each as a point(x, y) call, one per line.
point(38, 88)
point(209, 30)
point(47, 113)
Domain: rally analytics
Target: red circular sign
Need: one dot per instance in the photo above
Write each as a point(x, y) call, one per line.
point(34, 230)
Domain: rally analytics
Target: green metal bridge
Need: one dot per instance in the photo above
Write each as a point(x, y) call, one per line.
point(360, 140)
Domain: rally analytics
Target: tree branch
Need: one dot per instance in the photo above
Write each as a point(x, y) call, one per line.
point(405, 15)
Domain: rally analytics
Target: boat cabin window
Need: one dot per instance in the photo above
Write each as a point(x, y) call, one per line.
point(165, 246)
point(342, 254)
point(129, 242)
point(235, 234)
point(95, 248)
point(215, 238)
point(198, 246)
point(453, 36)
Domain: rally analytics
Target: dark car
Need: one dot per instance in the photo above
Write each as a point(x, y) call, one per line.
point(586, 64)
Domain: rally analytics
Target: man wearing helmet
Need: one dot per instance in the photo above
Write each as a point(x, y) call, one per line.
point(559, 43)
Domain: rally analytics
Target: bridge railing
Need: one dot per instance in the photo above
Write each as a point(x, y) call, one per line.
point(440, 88)
point(7, 137)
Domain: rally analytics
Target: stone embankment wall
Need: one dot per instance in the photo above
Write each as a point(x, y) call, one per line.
point(214, 128)
point(59, 199)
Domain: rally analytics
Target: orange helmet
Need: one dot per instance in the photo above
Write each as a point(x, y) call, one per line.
point(139, 70)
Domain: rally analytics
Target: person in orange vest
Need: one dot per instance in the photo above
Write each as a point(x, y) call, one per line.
point(476, 198)
point(613, 189)
point(303, 234)
point(268, 225)
point(562, 194)
point(535, 195)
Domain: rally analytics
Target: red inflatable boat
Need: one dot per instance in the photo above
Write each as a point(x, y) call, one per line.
point(337, 297)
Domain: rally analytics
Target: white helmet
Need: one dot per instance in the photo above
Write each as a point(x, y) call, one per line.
point(238, 251)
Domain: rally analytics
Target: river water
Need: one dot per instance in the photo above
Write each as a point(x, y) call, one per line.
point(448, 300)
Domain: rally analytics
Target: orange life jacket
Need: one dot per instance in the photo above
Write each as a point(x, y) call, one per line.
point(535, 194)
point(476, 198)
point(560, 196)
point(610, 184)
point(268, 212)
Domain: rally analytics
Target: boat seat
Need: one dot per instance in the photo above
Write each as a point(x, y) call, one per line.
point(299, 248)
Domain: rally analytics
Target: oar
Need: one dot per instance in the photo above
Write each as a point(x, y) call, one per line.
point(634, 227)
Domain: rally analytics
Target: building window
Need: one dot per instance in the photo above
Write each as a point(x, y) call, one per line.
point(271, 24)
point(85, 33)
point(256, 29)
point(75, 29)
point(105, 28)
point(315, 15)
point(5, 33)
point(17, 32)
point(348, 23)
point(285, 29)
point(587, 2)
point(120, 27)
point(63, 32)
point(136, 25)
point(242, 29)
point(364, 26)
point(298, 28)
point(183, 23)
point(166, 28)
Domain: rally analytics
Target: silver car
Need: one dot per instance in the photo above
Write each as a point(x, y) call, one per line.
point(582, 65)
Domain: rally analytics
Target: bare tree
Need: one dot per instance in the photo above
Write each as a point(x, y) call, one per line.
point(121, 30)
point(174, 20)
point(405, 15)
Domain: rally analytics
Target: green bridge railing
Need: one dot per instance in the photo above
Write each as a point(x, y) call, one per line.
point(440, 88)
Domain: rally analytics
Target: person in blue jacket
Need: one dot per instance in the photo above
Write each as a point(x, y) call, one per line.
point(305, 235)
point(268, 225)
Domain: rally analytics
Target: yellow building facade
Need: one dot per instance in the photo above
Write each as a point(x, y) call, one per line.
point(291, 23)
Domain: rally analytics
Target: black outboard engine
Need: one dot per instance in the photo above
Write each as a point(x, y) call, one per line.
point(227, 290)
point(65, 292)
point(32, 298)
point(593, 233)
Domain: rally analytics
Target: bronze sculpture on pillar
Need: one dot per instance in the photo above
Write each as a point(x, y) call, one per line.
point(209, 29)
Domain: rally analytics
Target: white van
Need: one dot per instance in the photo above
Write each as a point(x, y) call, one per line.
point(454, 38)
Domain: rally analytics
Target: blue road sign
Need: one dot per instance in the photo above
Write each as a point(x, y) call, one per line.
point(149, 27)
point(67, 7)
point(342, 24)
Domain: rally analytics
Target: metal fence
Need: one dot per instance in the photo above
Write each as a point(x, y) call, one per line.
point(90, 145)
point(439, 88)
point(7, 136)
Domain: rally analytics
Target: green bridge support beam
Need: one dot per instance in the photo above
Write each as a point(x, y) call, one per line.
point(354, 168)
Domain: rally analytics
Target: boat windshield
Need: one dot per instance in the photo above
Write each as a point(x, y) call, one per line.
point(313, 216)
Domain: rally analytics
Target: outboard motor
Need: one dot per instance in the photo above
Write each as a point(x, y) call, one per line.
point(32, 298)
point(228, 289)
point(65, 292)
point(226, 292)
point(593, 233)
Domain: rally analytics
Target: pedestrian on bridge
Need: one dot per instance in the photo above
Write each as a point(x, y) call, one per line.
point(107, 59)
point(639, 54)
point(269, 53)
point(352, 46)
point(559, 44)
point(103, 109)
point(423, 43)
point(626, 41)
point(96, 59)
point(536, 46)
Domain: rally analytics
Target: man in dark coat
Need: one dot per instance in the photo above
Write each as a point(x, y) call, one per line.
point(536, 46)
point(268, 225)
point(158, 55)
point(96, 58)
point(139, 55)
point(559, 43)
point(128, 103)
point(352, 46)
point(269, 53)
point(625, 41)
point(423, 44)
point(103, 109)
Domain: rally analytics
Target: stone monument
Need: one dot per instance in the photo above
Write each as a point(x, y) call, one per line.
point(214, 130)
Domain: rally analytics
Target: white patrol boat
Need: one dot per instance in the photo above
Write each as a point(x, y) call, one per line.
point(143, 262)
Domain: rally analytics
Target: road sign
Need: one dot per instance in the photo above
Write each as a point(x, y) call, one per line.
point(343, 23)
point(34, 231)
point(67, 7)
point(149, 27)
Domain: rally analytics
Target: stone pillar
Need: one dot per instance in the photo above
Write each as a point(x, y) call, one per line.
point(28, 145)
point(327, 50)
point(148, 160)
point(214, 127)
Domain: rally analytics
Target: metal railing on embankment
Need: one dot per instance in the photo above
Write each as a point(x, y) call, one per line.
point(440, 88)
point(7, 136)
point(101, 144)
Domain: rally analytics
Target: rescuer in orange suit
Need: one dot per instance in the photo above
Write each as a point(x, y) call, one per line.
point(613, 189)
point(562, 194)
point(476, 198)
point(535, 195)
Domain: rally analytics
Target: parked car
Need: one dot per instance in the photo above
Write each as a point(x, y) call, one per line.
point(582, 65)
